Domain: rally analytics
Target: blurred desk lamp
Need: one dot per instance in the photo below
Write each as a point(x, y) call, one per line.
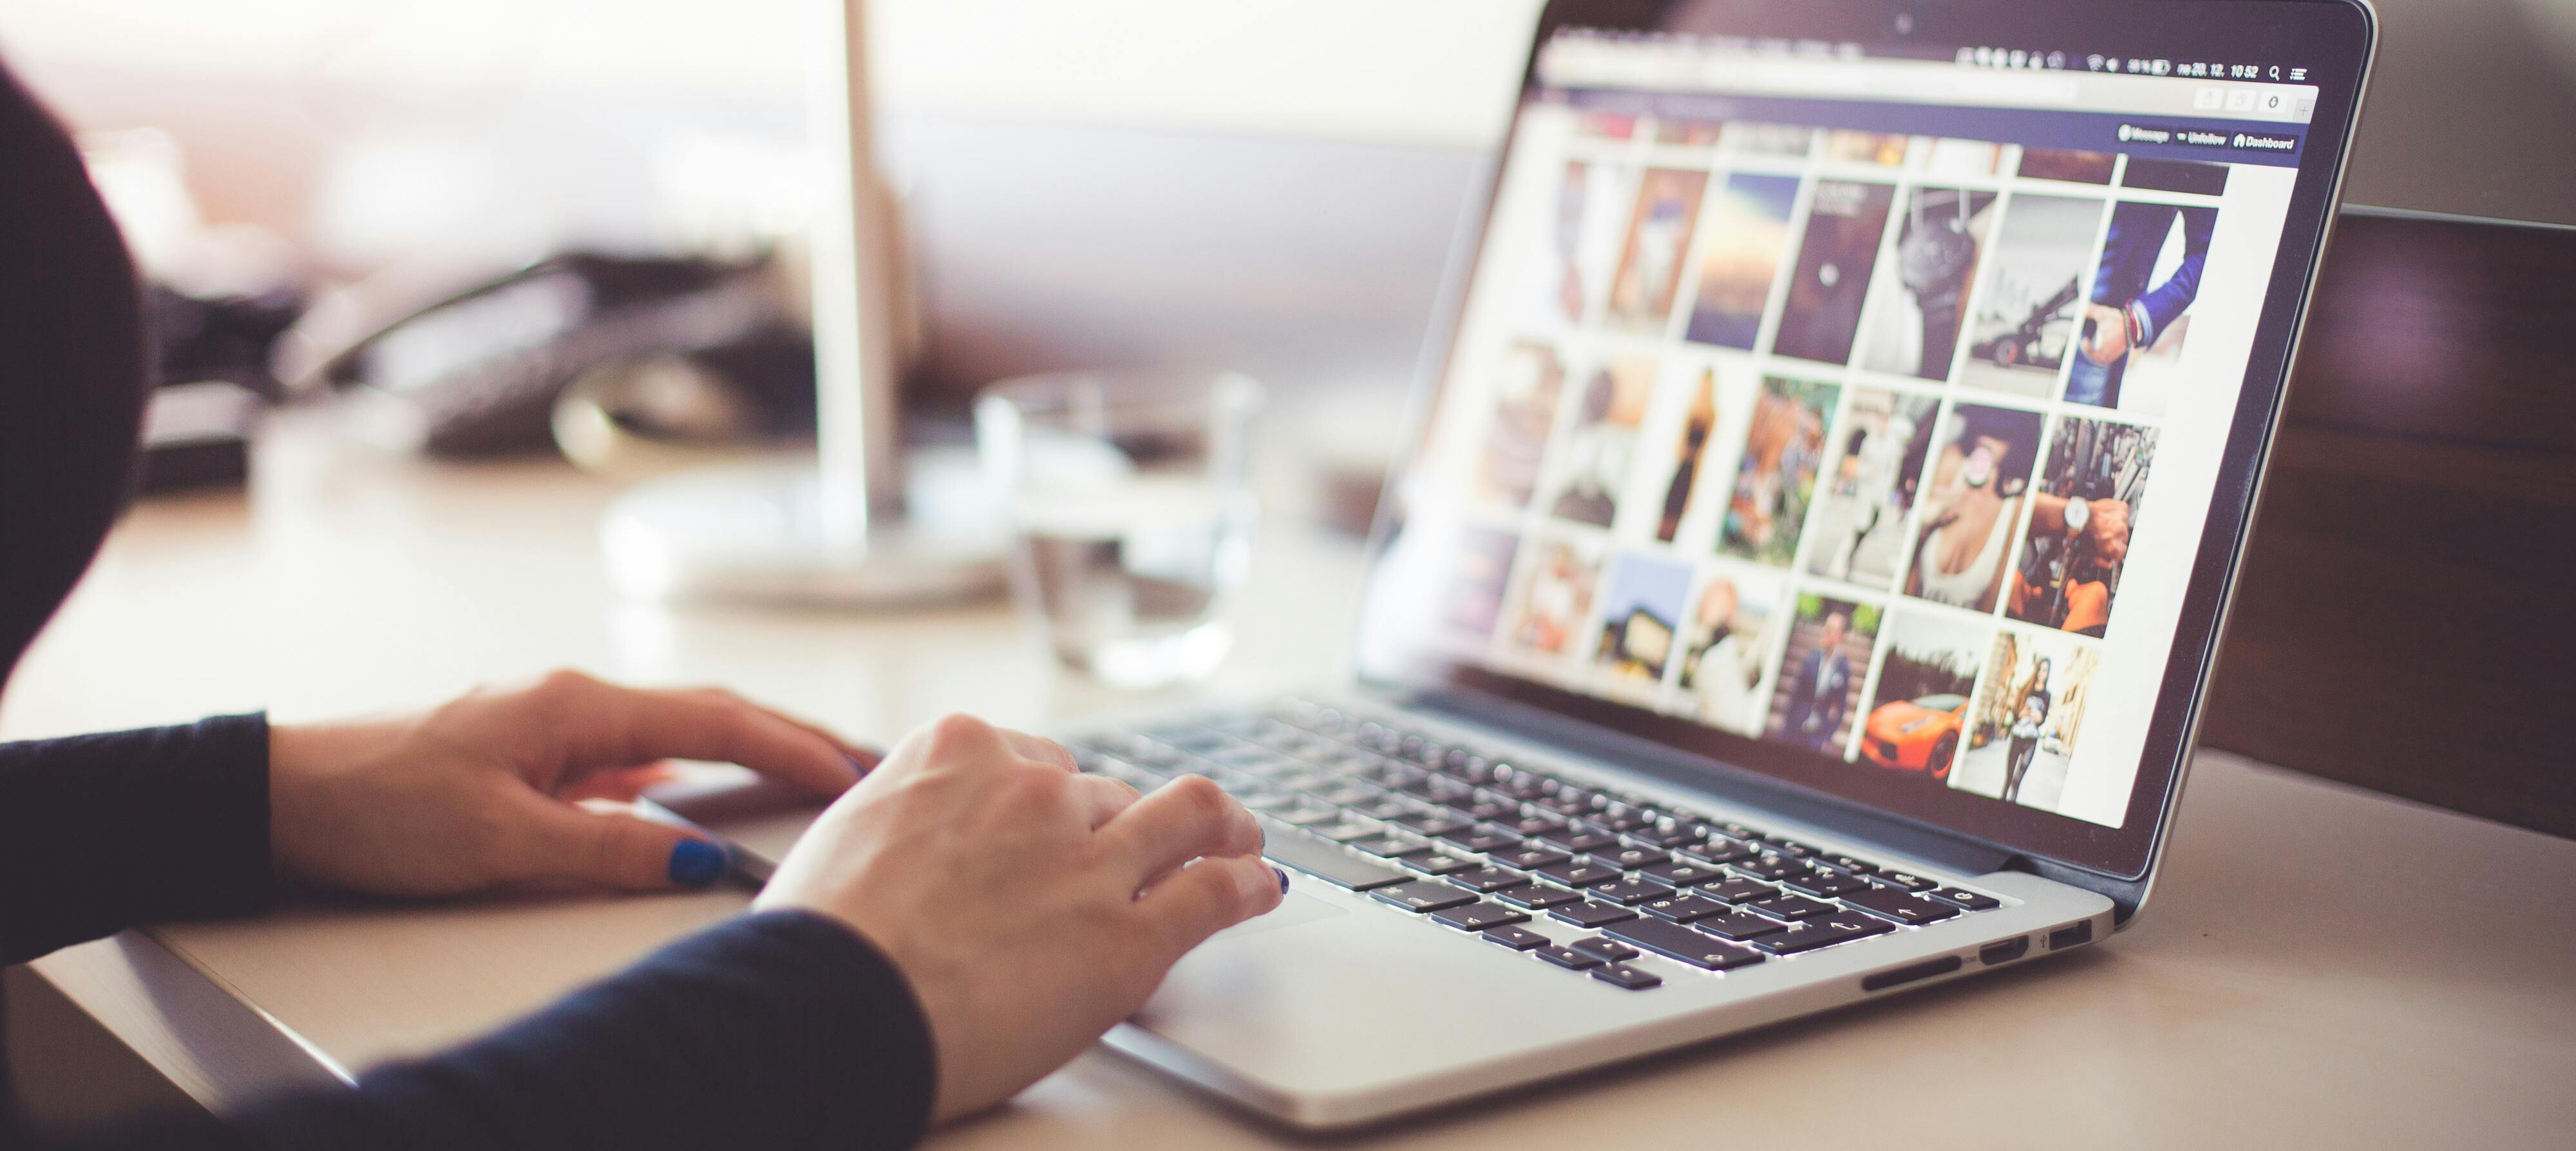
point(860, 525)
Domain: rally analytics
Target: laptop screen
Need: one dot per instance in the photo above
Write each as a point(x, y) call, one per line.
point(1856, 414)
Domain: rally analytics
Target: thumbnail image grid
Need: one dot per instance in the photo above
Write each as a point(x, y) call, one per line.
point(2025, 720)
point(1941, 238)
point(1819, 690)
point(1895, 576)
point(1919, 696)
point(1600, 441)
point(1641, 622)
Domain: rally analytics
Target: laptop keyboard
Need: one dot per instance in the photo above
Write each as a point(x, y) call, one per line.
point(1492, 848)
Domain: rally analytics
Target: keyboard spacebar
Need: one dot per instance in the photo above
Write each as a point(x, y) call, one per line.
point(1325, 859)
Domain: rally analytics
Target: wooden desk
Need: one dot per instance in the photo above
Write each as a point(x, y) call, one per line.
point(2319, 967)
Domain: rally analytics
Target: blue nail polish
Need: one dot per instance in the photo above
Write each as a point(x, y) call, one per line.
point(697, 863)
point(1283, 880)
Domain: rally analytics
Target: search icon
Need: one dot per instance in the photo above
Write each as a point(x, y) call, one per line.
point(2276, 71)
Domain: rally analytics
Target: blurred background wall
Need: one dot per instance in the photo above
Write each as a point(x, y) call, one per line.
point(1268, 183)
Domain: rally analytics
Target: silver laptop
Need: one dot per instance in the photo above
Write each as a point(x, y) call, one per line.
point(1823, 509)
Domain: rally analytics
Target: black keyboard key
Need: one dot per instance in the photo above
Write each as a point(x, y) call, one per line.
point(1482, 839)
point(1531, 856)
point(1534, 825)
point(1681, 873)
point(1721, 851)
point(1190, 737)
point(1518, 784)
point(1906, 880)
point(1604, 948)
point(1631, 858)
point(1516, 938)
point(1792, 847)
point(1826, 932)
point(1850, 863)
point(1425, 895)
point(1772, 867)
point(1487, 809)
point(1964, 898)
point(1538, 896)
point(1791, 907)
point(1675, 941)
point(1683, 908)
point(1442, 863)
point(1592, 915)
point(1468, 768)
point(1910, 910)
point(1326, 861)
point(1622, 975)
point(1307, 813)
point(1579, 839)
point(1739, 925)
point(1392, 846)
point(1629, 891)
point(1574, 873)
point(1344, 793)
point(1563, 956)
point(1487, 878)
point(1387, 808)
point(1479, 917)
point(1825, 884)
point(1437, 825)
point(1663, 835)
point(1738, 891)
point(1576, 802)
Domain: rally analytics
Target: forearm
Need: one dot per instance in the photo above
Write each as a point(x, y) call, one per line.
point(782, 1030)
point(2047, 514)
point(104, 832)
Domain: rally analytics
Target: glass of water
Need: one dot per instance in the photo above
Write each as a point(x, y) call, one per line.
point(1130, 497)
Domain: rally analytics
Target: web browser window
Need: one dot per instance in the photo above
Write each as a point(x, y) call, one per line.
point(1868, 407)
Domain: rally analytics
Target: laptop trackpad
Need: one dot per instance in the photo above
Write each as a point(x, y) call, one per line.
point(1296, 910)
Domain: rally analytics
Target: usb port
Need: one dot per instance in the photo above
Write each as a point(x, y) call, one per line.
point(2066, 937)
point(2006, 951)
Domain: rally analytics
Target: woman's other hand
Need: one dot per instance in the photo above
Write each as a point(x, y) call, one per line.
point(1029, 906)
point(483, 790)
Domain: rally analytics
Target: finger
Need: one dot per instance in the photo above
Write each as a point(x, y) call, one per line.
point(861, 756)
point(1209, 896)
point(612, 849)
point(620, 785)
point(1038, 748)
point(602, 725)
point(1103, 798)
point(1183, 820)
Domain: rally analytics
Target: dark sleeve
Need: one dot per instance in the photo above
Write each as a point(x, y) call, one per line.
point(778, 1030)
point(103, 832)
point(2169, 300)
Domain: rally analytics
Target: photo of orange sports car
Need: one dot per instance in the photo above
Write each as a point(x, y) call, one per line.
point(1916, 734)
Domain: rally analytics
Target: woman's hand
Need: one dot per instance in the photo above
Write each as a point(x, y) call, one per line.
point(481, 792)
point(1029, 906)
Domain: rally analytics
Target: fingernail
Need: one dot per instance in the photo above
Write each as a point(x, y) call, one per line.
point(1283, 879)
point(857, 765)
point(696, 863)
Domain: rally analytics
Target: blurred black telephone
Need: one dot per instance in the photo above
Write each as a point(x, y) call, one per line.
point(480, 372)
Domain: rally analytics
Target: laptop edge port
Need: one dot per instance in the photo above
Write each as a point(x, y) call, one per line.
point(2072, 936)
point(2004, 951)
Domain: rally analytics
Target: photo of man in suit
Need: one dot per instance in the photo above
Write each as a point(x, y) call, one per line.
point(2132, 308)
point(1820, 674)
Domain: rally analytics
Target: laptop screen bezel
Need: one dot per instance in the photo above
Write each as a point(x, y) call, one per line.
point(2333, 38)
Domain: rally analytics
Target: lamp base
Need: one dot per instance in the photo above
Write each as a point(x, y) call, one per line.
point(755, 533)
